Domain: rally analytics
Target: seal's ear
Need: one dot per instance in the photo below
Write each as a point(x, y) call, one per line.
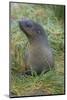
point(38, 28)
point(38, 31)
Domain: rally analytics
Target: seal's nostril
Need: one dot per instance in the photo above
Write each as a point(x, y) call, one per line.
point(28, 25)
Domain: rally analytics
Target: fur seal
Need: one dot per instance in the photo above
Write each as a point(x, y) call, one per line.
point(39, 55)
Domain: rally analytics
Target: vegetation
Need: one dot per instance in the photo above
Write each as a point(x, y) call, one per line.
point(52, 20)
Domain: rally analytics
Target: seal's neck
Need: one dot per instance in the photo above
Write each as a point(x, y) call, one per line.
point(39, 40)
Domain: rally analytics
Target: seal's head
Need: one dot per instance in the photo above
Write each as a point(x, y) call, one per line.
point(30, 28)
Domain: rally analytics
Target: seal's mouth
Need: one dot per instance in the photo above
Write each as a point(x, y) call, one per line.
point(21, 26)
